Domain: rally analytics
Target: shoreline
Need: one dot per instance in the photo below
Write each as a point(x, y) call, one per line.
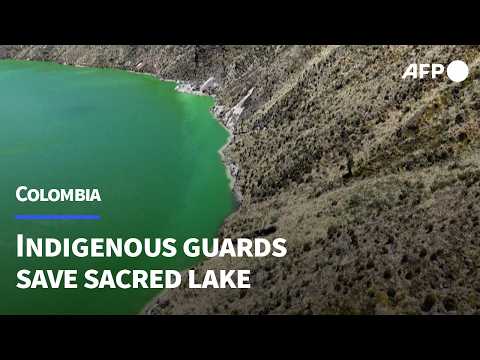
point(189, 87)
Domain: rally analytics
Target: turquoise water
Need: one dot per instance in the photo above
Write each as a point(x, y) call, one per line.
point(151, 151)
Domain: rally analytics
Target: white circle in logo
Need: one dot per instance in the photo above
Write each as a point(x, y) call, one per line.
point(457, 71)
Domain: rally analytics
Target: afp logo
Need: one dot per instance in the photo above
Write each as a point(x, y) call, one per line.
point(457, 71)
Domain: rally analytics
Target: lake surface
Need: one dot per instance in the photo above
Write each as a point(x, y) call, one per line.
point(150, 150)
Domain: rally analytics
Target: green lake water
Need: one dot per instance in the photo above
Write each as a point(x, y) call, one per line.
point(150, 150)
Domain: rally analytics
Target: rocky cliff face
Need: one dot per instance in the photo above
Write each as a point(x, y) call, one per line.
point(374, 181)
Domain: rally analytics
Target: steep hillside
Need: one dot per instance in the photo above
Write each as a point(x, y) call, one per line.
point(374, 181)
